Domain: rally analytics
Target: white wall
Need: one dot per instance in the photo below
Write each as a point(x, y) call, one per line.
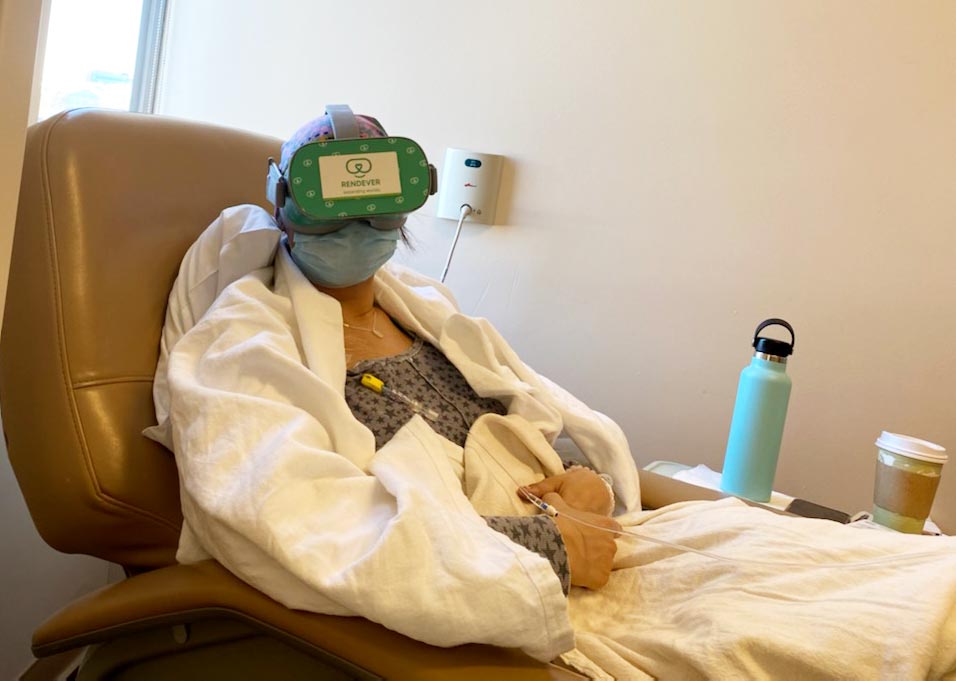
point(679, 172)
point(34, 580)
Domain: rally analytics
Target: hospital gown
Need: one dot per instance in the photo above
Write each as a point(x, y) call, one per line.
point(424, 374)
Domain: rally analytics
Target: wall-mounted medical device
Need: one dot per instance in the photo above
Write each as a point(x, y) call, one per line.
point(472, 178)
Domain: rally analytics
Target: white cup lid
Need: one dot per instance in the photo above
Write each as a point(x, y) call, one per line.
point(912, 447)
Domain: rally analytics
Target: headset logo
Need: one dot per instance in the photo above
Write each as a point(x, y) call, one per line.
point(358, 167)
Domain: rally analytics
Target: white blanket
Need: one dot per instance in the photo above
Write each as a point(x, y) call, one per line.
point(673, 615)
point(781, 607)
point(284, 487)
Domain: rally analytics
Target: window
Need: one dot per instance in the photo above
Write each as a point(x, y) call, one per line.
point(102, 53)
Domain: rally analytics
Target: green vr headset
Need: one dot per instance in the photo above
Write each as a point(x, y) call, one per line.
point(329, 183)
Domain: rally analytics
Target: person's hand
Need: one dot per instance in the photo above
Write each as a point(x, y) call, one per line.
point(590, 551)
point(581, 488)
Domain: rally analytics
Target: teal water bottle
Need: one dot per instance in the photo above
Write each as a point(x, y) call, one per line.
point(759, 414)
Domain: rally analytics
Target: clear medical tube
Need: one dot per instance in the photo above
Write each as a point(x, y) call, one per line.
point(544, 506)
point(552, 511)
point(377, 385)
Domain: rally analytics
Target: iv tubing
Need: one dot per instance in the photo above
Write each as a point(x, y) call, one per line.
point(550, 510)
point(544, 506)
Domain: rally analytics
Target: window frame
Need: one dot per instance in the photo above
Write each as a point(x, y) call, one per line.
point(149, 56)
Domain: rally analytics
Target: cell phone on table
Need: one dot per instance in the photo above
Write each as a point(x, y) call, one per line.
point(808, 509)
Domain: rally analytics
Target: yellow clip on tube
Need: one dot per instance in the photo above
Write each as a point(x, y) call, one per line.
point(372, 382)
point(377, 385)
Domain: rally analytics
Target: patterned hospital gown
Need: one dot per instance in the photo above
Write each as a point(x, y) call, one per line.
point(424, 374)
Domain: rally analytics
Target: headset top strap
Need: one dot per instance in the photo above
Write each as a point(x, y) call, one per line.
point(344, 125)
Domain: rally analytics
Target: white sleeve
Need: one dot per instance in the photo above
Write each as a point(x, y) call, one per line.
point(275, 487)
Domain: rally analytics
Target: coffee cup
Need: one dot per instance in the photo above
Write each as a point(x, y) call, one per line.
point(907, 475)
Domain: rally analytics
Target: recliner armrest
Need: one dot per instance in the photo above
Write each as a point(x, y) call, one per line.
point(659, 490)
point(188, 593)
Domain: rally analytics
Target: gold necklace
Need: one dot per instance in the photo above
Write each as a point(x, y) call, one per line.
point(371, 329)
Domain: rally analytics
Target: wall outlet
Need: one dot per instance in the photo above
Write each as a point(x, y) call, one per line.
point(470, 177)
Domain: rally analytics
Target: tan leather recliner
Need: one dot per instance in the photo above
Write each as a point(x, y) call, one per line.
point(109, 203)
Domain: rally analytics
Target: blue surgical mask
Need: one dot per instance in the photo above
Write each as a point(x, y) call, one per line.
point(345, 257)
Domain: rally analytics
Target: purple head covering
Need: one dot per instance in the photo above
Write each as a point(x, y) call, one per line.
point(321, 129)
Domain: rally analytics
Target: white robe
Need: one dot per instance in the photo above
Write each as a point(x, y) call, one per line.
point(283, 486)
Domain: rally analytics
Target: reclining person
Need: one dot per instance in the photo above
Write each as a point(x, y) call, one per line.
point(332, 497)
point(350, 443)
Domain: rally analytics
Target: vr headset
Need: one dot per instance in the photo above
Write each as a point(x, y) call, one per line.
point(329, 183)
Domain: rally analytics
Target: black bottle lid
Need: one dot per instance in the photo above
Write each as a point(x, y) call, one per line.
point(771, 346)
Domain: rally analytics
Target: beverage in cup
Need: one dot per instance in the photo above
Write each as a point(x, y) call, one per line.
point(907, 475)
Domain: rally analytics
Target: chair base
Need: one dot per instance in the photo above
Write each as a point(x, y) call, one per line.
point(211, 650)
point(61, 667)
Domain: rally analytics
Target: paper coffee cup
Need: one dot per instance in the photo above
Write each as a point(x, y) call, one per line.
point(907, 475)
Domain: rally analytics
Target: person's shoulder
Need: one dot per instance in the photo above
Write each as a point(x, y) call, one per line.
point(247, 314)
point(248, 212)
point(242, 239)
point(252, 294)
